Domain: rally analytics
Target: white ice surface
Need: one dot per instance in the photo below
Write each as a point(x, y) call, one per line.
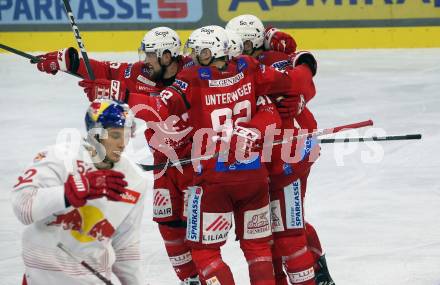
point(378, 222)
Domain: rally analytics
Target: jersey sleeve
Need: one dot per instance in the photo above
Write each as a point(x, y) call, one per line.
point(177, 97)
point(39, 191)
point(104, 69)
point(294, 81)
point(126, 243)
point(271, 80)
point(265, 116)
point(302, 79)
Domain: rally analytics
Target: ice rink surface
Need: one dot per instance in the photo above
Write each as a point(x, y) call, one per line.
point(376, 207)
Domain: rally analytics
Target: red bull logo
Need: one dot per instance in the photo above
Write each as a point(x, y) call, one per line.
point(70, 221)
point(86, 224)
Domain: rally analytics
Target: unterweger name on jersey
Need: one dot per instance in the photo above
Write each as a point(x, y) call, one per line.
point(226, 98)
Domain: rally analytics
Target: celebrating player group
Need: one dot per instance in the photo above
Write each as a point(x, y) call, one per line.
point(233, 102)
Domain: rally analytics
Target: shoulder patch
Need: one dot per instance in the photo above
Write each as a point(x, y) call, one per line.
point(182, 84)
point(205, 73)
point(127, 72)
point(282, 64)
point(241, 64)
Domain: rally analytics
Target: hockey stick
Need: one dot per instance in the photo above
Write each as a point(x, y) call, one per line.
point(185, 161)
point(85, 264)
point(33, 59)
point(387, 138)
point(79, 39)
point(327, 131)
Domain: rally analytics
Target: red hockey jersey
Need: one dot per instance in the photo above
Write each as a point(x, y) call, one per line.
point(302, 77)
point(216, 100)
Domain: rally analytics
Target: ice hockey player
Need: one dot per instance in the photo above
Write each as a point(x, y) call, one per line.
point(226, 97)
point(159, 63)
point(87, 196)
point(285, 177)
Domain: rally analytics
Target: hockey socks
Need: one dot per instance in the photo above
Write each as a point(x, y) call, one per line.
point(298, 260)
point(178, 252)
point(313, 242)
point(259, 258)
point(211, 267)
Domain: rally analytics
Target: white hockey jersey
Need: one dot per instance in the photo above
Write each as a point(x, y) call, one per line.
point(104, 233)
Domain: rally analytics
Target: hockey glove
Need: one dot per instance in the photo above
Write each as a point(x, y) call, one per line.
point(93, 185)
point(65, 60)
point(305, 57)
point(243, 142)
point(104, 89)
point(291, 106)
point(277, 40)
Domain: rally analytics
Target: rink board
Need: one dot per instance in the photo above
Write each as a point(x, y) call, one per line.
point(310, 38)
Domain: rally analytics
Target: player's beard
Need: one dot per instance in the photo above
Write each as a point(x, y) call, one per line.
point(157, 74)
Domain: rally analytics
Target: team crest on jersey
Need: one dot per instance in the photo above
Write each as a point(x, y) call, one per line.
point(205, 73)
point(216, 227)
point(181, 84)
point(127, 72)
point(262, 68)
point(241, 64)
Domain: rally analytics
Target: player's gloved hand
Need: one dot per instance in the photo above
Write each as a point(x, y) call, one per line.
point(277, 40)
point(244, 141)
point(93, 185)
point(65, 60)
point(290, 107)
point(305, 57)
point(104, 89)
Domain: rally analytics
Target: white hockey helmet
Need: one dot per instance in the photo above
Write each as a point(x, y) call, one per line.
point(213, 38)
point(248, 27)
point(189, 44)
point(235, 47)
point(159, 40)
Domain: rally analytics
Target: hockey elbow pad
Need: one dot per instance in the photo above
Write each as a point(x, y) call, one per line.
point(305, 57)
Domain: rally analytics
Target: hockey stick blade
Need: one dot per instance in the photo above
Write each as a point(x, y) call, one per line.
point(185, 161)
point(33, 59)
point(386, 138)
